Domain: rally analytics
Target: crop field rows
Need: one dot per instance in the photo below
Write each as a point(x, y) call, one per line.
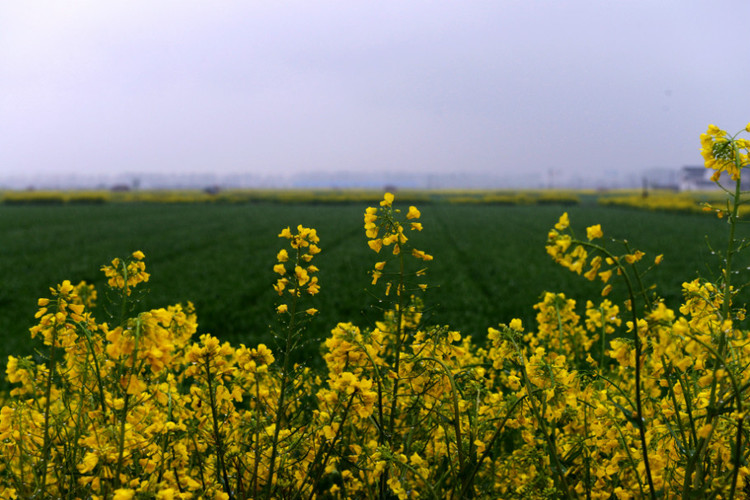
point(490, 264)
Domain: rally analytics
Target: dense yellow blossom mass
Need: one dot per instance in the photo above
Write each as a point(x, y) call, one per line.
point(618, 397)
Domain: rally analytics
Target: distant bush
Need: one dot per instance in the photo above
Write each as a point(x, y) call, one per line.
point(88, 198)
point(670, 202)
point(33, 198)
point(555, 198)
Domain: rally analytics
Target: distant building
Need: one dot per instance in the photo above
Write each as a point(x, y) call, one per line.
point(696, 179)
point(120, 188)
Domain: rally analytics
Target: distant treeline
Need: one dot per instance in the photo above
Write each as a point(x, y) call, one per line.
point(288, 196)
point(670, 201)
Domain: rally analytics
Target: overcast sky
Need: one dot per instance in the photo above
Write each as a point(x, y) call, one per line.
point(91, 87)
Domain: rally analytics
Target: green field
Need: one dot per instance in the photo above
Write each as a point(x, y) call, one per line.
point(490, 263)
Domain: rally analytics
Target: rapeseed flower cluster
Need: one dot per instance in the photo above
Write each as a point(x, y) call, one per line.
point(383, 228)
point(573, 254)
point(300, 277)
point(597, 399)
point(724, 153)
point(126, 275)
point(673, 403)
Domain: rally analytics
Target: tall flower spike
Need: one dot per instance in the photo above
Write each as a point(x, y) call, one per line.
point(571, 253)
point(299, 276)
point(385, 227)
point(127, 275)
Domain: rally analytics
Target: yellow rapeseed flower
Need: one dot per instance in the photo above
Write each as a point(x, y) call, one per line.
point(704, 430)
point(594, 232)
point(376, 245)
point(89, 462)
point(420, 254)
point(634, 257)
point(124, 494)
point(280, 285)
point(563, 222)
point(166, 494)
point(313, 287)
point(387, 200)
point(301, 275)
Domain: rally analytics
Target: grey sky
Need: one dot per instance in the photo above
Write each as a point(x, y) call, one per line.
point(147, 86)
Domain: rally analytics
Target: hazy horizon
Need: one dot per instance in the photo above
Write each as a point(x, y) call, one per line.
point(504, 88)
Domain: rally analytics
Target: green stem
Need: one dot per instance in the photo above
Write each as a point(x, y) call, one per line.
point(586, 456)
point(675, 404)
point(430, 488)
point(97, 371)
point(320, 465)
point(604, 339)
point(223, 477)
point(396, 367)
point(123, 420)
point(740, 418)
point(456, 413)
point(256, 434)
point(125, 294)
point(378, 380)
point(702, 445)
point(559, 326)
point(488, 449)
point(284, 382)
point(539, 415)
point(78, 426)
point(551, 447)
point(640, 422)
point(638, 395)
point(737, 451)
point(399, 341)
point(47, 445)
point(217, 433)
point(726, 303)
